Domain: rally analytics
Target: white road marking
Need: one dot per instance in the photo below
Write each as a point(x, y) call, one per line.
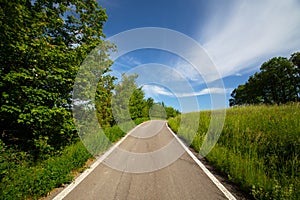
point(82, 176)
point(206, 171)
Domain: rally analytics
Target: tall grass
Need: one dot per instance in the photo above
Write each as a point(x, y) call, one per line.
point(258, 149)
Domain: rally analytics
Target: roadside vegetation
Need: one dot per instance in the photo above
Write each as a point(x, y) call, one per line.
point(43, 44)
point(258, 148)
point(24, 178)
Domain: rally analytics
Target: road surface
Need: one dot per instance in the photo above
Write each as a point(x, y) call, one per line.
point(149, 163)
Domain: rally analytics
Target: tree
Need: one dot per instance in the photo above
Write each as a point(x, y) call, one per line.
point(150, 102)
point(128, 101)
point(42, 46)
point(137, 104)
point(158, 111)
point(103, 100)
point(171, 112)
point(277, 83)
point(295, 59)
point(238, 96)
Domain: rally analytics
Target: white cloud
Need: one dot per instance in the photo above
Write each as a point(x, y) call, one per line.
point(126, 62)
point(132, 61)
point(186, 71)
point(154, 90)
point(204, 92)
point(248, 32)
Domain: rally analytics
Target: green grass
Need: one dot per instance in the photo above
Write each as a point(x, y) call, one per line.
point(21, 178)
point(258, 148)
point(24, 179)
point(115, 132)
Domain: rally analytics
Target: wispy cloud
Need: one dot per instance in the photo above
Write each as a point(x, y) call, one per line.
point(154, 90)
point(250, 31)
point(127, 62)
point(186, 71)
point(205, 92)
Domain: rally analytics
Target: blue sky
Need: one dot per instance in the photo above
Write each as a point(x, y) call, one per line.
point(238, 36)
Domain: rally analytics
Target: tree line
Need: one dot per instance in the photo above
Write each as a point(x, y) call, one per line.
point(129, 103)
point(42, 45)
point(277, 82)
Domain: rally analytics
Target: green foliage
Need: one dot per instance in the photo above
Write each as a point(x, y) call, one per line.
point(20, 179)
point(278, 82)
point(42, 44)
point(160, 111)
point(92, 98)
point(128, 102)
point(157, 111)
point(120, 101)
point(137, 104)
point(114, 133)
point(140, 120)
point(174, 123)
point(258, 148)
point(103, 100)
point(171, 112)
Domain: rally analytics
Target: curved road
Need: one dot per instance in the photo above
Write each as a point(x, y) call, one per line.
point(150, 163)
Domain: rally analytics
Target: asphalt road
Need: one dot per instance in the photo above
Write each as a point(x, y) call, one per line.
point(149, 164)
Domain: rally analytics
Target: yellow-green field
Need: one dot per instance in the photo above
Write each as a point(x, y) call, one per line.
point(258, 149)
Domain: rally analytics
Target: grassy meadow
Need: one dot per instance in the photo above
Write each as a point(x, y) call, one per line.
point(258, 149)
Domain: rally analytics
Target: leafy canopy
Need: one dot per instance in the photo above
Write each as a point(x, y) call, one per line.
point(42, 45)
point(278, 82)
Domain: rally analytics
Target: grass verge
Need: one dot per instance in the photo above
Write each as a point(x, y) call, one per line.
point(23, 179)
point(28, 180)
point(258, 148)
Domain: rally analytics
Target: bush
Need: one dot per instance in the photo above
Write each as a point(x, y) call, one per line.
point(24, 180)
point(114, 133)
point(140, 120)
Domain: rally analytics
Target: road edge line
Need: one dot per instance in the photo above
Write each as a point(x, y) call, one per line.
point(86, 172)
point(205, 170)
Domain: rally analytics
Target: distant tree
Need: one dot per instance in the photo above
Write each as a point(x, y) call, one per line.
point(278, 82)
point(158, 111)
point(171, 112)
point(150, 102)
point(42, 46)
point(137, 104)
point(128, 101)
point(103, 100)
point(295, 59)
